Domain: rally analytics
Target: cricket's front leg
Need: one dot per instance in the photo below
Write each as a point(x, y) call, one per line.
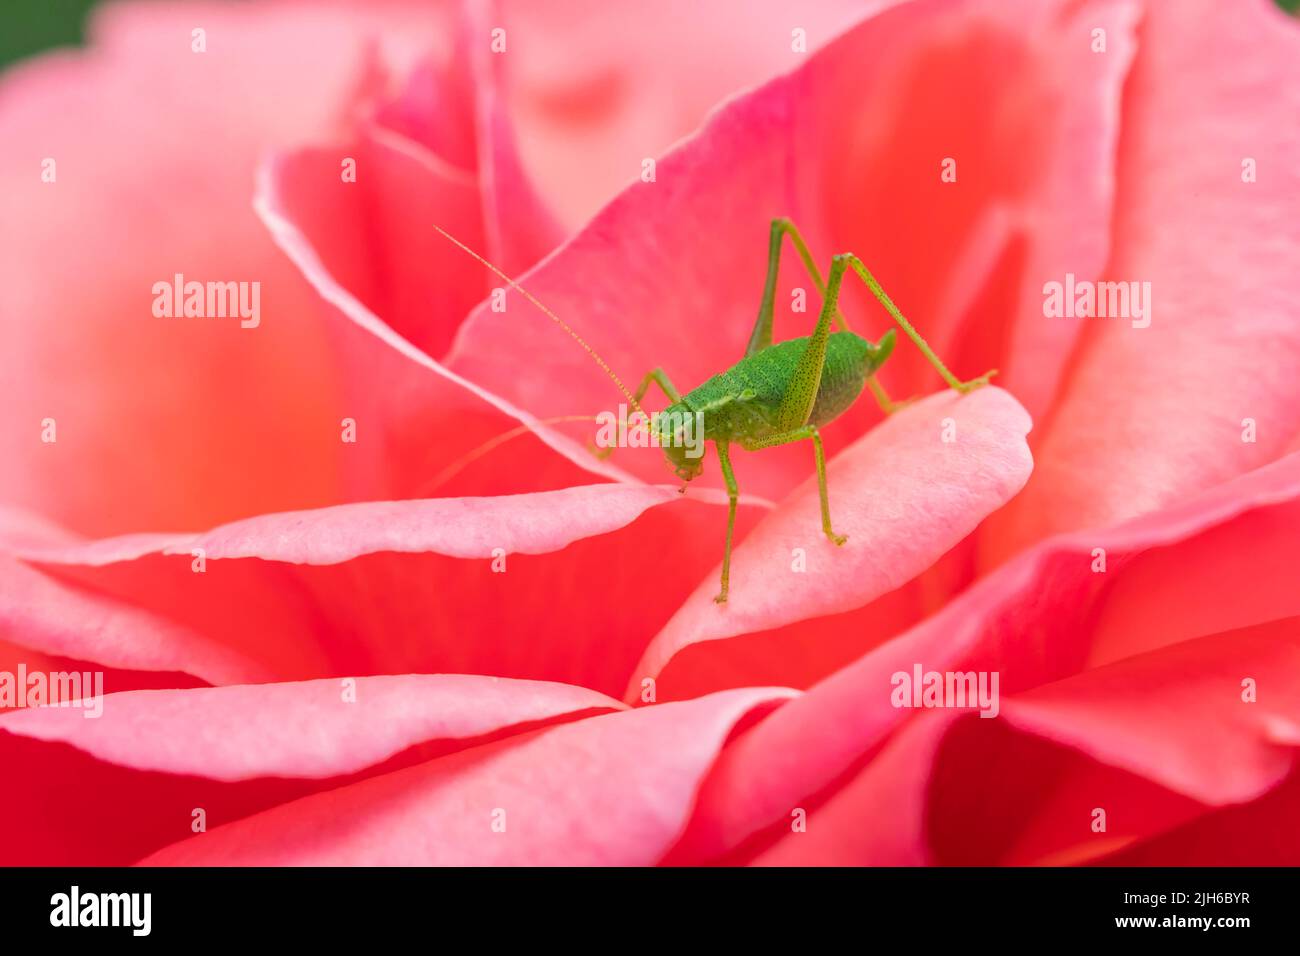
point(799, 434)
point(659, 377)
point(733, 492)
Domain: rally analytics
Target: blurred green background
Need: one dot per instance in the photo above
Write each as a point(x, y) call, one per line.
point(29, 26)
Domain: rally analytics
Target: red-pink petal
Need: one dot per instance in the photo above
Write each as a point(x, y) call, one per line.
point(1173, 723)
point(1179, 715)
point(1032, 620)
point(609, 790)
point(846, 831)
point(1265, 832)
point(80, 809)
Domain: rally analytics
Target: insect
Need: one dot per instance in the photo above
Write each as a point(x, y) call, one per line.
point(777, 393)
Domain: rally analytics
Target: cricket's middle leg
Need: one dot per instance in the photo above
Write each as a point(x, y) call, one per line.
point(799, 434)
point(733, 492)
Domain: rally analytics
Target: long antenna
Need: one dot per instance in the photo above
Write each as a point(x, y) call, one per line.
point(459, 465)
point(636, 406)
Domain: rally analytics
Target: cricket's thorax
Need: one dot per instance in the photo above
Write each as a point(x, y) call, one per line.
point(742, 402)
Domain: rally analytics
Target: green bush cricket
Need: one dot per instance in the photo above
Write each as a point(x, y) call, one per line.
point(777, 393)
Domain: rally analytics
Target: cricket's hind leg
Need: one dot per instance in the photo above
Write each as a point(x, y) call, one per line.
point(761, 336)
point(660, 378)
point(856, 264)
point(799, 434)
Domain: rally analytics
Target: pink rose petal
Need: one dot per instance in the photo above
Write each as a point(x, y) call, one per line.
point(389, 611)
point(307, 729)
point(41, 612)
point(1032, 621)
point(458, 527)
point(1153, 415)
point(955, 788)
point(1177, 715)
point(611, 790)
point(276, 204)
point(238, 756)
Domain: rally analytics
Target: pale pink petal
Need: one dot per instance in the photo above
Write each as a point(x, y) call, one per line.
point(1165, 595)
point(77, 808)
point(1153, 415)
point(458, 527)
point(404, 611)
point(597, 86)
point(904, 494)
point(311, 729)
point(56, 617)
point(609, 790)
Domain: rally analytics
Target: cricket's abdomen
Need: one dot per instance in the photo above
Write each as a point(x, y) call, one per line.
point(742, 402)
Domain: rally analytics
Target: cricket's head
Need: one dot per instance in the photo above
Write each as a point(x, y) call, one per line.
point(680, 433)
point(683, 467)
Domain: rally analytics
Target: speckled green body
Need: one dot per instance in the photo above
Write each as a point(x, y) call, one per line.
point(741, 403)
